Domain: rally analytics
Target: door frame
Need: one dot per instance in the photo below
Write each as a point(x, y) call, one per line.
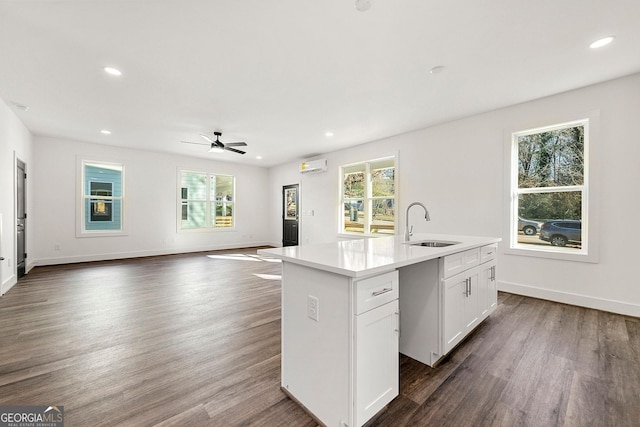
point(20, 164)
point(287, 217)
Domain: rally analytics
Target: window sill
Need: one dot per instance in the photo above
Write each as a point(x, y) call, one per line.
point(355, 236)
point(102, 233)
point(556, 253)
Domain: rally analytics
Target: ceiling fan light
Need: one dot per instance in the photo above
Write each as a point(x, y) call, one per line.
point(215, 149)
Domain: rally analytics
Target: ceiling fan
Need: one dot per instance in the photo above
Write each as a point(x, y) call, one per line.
point(217, 146)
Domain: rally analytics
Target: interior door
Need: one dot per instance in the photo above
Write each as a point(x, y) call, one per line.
point(21, 214)
point(290, 214)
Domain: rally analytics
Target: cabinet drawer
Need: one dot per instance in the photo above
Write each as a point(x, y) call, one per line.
point(461, 261)
point(488, 252)
point(375, 291)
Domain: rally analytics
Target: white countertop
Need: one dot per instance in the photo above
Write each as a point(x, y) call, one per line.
point(363, 257)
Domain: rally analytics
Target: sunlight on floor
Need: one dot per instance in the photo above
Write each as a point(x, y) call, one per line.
point(244, 257)
point(269, 276)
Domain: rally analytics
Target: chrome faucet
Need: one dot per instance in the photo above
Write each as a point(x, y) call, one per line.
point(408, 231)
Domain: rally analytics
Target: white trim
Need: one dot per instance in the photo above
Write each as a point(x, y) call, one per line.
point(570, 298)
point(8, 284)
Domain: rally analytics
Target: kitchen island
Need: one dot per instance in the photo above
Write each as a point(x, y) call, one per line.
point(349, 308)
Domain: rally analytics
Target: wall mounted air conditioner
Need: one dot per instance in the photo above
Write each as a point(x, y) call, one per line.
point(313, 166)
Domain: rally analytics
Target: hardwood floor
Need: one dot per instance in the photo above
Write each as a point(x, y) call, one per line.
point(194, 340)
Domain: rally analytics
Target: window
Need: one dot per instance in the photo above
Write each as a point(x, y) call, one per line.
point(206, 201)
point(549, 183)
point(102, 198)
point(368, 197)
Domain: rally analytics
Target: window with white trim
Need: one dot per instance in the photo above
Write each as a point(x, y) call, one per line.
point(206, 201)
point(550, 188)
point(102, 198)
point(368, 197)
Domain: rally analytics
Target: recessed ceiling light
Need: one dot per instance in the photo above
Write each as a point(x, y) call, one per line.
point(105, 132)
point(362, 5)
point(437, 69)
point(328, 134)
point(112, 71)
point(259, 157)
point(602, 42)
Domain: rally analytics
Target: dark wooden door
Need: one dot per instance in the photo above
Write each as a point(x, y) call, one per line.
point(21, 223)
point(290, 214)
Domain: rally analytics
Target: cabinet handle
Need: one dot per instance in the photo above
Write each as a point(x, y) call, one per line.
point(466, 287)
point(397, 329)
point(469, 279)
point(380, 292)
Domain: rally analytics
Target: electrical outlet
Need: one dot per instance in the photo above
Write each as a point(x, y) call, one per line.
point(56, 247)
point(313, 308)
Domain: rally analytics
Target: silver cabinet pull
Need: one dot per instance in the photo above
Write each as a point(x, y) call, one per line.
point(380, 292)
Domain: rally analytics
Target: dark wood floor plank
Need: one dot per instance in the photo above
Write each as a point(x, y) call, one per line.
point(194, 340)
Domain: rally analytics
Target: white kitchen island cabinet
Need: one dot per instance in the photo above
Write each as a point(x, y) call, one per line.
point(349, 308)
point(443, 300)
point(339, 353)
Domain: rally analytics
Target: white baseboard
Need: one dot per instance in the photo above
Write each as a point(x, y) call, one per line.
point(8, 284)
point(569, 298)
point(139, 254)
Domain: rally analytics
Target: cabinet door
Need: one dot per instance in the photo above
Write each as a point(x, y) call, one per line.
point(471, 310)
point(483, 290)
point(487, 290)
point(492, 287)
point(455, 290)
point(377, 360)
point(460, 310)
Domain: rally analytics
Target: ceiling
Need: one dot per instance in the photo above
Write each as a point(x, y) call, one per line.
point(280, 74)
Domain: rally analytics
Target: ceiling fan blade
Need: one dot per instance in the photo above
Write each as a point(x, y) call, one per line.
point(196, 143)
point(234, 150)
point(206, 138)
point(235, 144)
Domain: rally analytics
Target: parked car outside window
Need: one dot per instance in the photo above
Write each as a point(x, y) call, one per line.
point(561, 232)
point(528, 227)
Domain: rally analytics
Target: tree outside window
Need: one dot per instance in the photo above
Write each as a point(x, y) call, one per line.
point(550, 187)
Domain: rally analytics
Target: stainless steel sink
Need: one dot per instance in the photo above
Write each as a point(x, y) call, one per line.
point(433, 243)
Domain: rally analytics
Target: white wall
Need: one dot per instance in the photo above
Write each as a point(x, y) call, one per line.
point(457, 170)
point(151, 198)
point(15, 142)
